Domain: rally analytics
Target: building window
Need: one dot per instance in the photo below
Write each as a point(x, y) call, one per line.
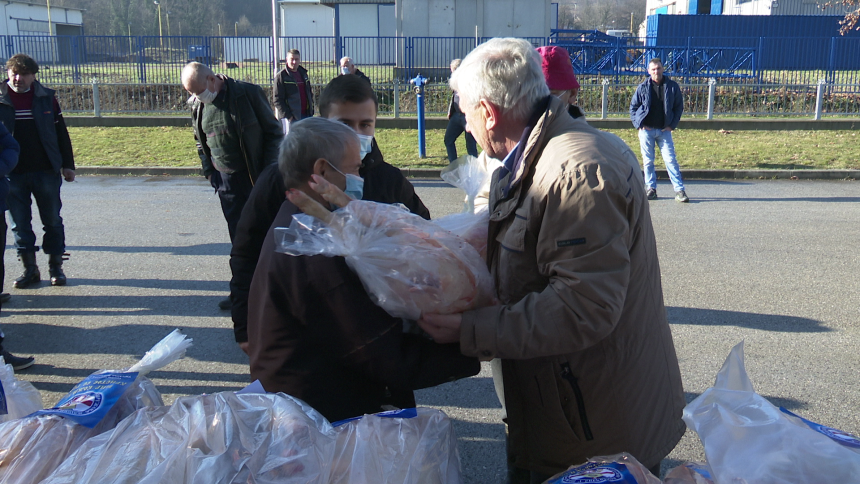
point(33, 27)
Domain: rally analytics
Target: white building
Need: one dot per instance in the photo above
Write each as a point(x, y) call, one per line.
point(741, 7)
point(28, 26)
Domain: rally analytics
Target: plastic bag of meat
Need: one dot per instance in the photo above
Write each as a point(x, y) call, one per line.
point(472, 175)
point(408, 265)
point(619, 469)
point(31, 447)
point(689, 473)
point(18, 398)
point(218, 438)
point(411, 446)
point(749, 440)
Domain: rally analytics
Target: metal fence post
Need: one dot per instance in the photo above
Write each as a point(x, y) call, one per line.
point(397, 97)
point(97, 109)
point(604, 103)
point(712, 90)
point(819, 99)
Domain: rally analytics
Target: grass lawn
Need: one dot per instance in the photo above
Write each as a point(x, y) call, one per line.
point(696, 149)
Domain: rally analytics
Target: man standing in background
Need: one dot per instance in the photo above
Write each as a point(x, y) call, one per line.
point(347, 67)
point(655, 110)
point(457, 125)
point(294, 99)
point(237, 137)
point(31, 112)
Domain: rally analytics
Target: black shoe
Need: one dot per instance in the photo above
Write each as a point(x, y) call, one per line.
point(17, 363)
point(651, 194)
point(31, 273)
point(55, 269)
point(5, 297)
point(225, 305)
point(681, 196)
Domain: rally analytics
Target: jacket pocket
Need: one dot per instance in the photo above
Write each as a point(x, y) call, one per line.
point(514, 238)
point(567, 375)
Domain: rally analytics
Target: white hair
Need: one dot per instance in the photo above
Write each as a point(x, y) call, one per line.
point(309, 140)
point(505, 72)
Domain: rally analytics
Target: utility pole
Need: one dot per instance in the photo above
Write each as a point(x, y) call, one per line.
point(160, 35)
point(275, 38)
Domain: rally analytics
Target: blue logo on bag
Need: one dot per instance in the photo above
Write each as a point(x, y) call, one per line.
point(3, 409)
point(840, 436)
point(596, 473)
point(92, 398)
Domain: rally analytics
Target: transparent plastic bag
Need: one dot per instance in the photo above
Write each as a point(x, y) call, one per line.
point(690, 473)
point(618, 468)
point(21, 397)
point(413, 446)
point(408, 265)
point(222, 437)
point(35, 445)
point(749, 440)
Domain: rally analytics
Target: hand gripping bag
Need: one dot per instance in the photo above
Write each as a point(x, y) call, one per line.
point(31, 447)
point(206, 439)
point(749, 440)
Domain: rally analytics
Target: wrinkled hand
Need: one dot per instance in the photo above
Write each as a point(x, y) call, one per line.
point(68, 175)
point(444, 328)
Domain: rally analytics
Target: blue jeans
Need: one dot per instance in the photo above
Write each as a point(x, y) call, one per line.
point(647, 138)
point(44, 186)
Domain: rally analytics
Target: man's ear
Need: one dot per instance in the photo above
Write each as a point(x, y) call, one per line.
point(320, 167)
point(492, 114)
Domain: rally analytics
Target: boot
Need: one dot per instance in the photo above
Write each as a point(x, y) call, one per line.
point(55, 269)
point(31, 273)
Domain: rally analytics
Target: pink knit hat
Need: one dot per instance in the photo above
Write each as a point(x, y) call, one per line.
point(557, 69)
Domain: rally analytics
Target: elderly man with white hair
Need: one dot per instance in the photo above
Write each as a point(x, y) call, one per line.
point(587, 360)
point(347, 67)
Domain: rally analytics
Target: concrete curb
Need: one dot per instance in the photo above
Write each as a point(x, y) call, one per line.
point(434, 174)
point(441, 123)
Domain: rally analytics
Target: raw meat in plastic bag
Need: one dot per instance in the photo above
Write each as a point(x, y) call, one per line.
point(749, 440)
point(689, 473)
point(408, 265)
point(20, 398)
point(222, 437)
point(618, 468)
point(412, 446)
point(34, 446)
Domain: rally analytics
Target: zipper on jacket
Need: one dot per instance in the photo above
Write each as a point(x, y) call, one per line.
point(580, 402)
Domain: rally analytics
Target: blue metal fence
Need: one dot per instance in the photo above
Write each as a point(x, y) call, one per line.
point(595, 55)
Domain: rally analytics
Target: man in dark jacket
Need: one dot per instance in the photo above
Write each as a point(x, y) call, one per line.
point(655, 110)
point(314, 332)
point(31, 112)
point(457, 125)
point(347, 67)
point(351, 101)
point(294, 98)
point(237, 136)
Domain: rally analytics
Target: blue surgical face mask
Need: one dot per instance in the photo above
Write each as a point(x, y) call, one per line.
point(366, 144)
point(354, 183)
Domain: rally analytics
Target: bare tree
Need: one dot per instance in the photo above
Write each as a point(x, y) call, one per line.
point(852, 14)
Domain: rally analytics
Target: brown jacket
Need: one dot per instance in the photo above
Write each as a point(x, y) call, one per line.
point(588, 362)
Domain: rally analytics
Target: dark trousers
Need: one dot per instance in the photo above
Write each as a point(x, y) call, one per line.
point(233, 190)
point(44, 186)
point(456, 127)
point(2, 264)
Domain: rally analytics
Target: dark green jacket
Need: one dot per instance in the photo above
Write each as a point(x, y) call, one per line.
point(260, 133)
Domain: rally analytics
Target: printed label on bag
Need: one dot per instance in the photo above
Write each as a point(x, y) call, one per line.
point(404, 413)
point(596, 473)
point(840, 436)
point(92, 398)
point(3, 409)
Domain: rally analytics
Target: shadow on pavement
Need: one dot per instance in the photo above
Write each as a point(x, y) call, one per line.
point(37, 305)
point(166, 284)
point(766, 322)
point(199, 249)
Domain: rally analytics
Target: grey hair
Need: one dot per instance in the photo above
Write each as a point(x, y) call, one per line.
point(505, 72)
point(195, 71)
point(455, 64)
point(309, 140)
point(345, 59)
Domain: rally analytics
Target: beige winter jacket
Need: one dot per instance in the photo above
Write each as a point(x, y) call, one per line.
point(588, 361)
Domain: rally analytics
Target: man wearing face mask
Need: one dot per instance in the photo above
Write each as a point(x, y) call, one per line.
point(347, 67)
point(237, 137)
point(313, 331)
point(351, 101)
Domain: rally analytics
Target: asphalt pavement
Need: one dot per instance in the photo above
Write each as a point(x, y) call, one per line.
point(772, 263)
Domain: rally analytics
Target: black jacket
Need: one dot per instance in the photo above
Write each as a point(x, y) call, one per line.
point(50, 124)
point(287, 97)
point(361, 75)
point(315, 334)
point(382, 183)
point(260, 134)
